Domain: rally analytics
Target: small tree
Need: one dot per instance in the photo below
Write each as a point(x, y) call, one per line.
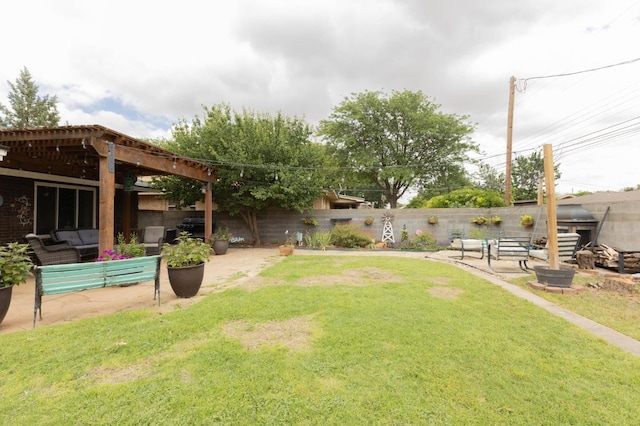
point(525, 175)
point(262, 161)
point(27, 109)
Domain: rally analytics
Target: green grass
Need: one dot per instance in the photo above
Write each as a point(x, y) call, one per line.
point(613, 309)
point(391, 341)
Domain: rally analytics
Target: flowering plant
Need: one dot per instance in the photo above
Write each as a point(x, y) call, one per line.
point(123, 250)
point(108, 255)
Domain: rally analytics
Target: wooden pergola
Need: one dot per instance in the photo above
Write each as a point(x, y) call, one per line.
point(99, 154)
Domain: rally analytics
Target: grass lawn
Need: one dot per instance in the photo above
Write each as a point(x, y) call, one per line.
point(620, 311)
point(324, 340)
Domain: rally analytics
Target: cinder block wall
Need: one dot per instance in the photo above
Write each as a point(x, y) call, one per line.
point(274, 223)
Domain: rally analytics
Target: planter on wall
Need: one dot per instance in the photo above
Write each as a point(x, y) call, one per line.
point(554, 277)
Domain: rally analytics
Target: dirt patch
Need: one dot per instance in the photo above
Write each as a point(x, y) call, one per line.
point(294, 334)
point(112, 375)
point(353, 277)
point(445, 292)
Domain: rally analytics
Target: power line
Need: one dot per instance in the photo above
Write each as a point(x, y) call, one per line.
point(579, 72)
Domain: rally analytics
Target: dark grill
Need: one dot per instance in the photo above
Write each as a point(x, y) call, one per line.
point(192, 225)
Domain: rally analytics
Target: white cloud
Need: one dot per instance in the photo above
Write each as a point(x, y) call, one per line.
point(153, 63)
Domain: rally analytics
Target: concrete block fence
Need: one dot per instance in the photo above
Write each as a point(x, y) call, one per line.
point(274, 223)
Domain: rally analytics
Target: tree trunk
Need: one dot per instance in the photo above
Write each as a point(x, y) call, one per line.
point(250, 217)
point(393, 201)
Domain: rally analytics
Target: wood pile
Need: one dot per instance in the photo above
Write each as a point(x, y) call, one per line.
point(608, 257)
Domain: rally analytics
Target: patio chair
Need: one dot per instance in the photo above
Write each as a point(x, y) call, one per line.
point(52, 254)
point(510, 248)
point(153, 237)
point(567, 247)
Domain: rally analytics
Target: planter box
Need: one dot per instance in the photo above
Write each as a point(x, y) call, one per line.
point(554, 277)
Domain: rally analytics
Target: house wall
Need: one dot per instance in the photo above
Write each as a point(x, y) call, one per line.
point(18, 209)
point(16, 212)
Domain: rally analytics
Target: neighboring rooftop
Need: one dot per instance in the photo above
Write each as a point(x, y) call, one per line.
point(603, 197)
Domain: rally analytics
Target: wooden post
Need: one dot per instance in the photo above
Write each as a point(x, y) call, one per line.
point(107, 200)
point(208, 213)
point(552, 221)
point(540, 192)
point(507, 189)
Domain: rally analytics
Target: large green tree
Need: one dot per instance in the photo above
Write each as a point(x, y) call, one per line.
point(487, 177)
point(263, 161)
point(526, 172)
point(26, 107)
point(396, 142)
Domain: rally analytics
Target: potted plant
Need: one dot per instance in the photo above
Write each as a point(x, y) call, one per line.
point(286, 248)
point(368, 220)
point(526, 220)
point(309, 220)
point(185, 264)
point(220, 240)
point(432, 220)
point(15, 264)
point(496, 220)
point(479, 220)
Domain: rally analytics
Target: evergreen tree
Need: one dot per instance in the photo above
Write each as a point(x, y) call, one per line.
point(26, 108)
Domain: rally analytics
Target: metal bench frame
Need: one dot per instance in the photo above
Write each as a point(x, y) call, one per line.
point(510, 248)
point(72, 277)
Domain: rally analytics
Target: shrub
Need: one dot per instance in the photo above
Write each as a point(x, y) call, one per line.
point(422, 241)
point(467, 197)
point(318, 239)
point(349, 236)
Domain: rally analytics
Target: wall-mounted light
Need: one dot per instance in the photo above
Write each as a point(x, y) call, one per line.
point(4, 150)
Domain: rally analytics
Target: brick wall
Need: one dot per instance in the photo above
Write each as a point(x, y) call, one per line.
point(16, 212)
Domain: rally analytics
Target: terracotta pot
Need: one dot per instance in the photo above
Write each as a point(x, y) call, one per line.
point(220, 247)
point(5, 300)
point(186, 281)
point(286, 250)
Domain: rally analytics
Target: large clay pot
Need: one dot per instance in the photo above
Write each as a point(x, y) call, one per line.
point(554, 277)
point(286, 250)
point(220, 246)
point(5, 300)
point(186, 281)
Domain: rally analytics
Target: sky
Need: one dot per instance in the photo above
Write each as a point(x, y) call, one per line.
point(139, 67)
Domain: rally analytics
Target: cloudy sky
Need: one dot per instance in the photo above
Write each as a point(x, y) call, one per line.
point(139, 66)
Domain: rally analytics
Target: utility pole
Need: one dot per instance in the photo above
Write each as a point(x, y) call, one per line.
point(507, 189)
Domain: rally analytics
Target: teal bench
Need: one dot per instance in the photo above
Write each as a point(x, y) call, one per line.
point(71, 277)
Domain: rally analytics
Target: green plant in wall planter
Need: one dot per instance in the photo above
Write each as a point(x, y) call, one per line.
point(432, 220)
point(368, 220)
point(479, 220)
point(496, 220)
point(526, 220)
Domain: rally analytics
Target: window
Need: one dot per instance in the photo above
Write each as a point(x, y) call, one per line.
point(64, 206)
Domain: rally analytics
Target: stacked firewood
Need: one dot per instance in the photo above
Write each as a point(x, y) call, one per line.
point(608, 257)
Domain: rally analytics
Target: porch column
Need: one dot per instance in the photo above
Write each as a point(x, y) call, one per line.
point(208, 213)
point(106, 205)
